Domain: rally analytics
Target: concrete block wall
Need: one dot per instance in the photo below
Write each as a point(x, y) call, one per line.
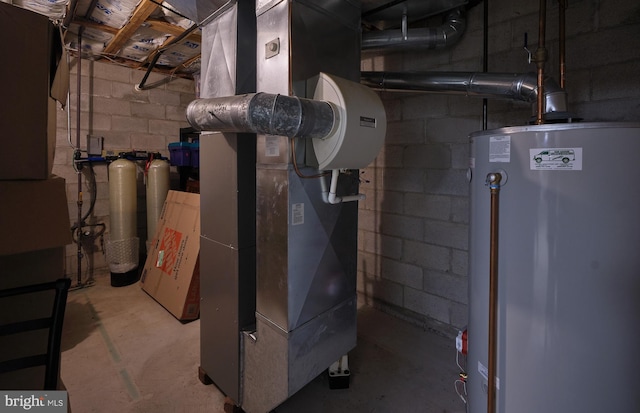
point(413, 231)
point(127, 120)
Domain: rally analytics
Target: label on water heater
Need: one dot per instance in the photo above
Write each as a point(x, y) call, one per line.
point(500, 149)
point(557, 159)
point(484, 372)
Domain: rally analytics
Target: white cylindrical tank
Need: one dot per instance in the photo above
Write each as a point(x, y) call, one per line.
point(568, 268)
point(123, 205)
point(157, 188)
point(123, 244)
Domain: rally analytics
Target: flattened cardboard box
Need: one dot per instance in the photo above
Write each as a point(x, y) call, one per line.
point(171, 273)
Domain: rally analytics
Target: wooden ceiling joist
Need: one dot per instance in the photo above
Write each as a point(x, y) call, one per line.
point(142, 12)
point(81, 21)
point(166, 27)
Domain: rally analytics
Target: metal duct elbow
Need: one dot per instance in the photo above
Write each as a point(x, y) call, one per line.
point(521, 87)
point(263, 113)
point(420, 38)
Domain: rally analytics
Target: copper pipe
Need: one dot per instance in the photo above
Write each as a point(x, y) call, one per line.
point(540, 102)
point(562, 41)
point(541, 58)
point(493, 180)
point(542, 23)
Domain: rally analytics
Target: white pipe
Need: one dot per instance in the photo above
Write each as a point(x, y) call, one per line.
point(333, 199)
point(330, 195)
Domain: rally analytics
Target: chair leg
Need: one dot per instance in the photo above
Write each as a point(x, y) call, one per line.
point(55, 335)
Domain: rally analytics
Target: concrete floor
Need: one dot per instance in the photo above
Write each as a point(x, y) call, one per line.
point(123, 352)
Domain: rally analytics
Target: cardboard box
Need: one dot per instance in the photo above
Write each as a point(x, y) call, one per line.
point(171, 273)
point(30, 86)
point(33, 215)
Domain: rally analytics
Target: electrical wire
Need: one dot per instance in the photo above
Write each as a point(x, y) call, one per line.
point(464, 388)
point(458, 362)
point(462, 379)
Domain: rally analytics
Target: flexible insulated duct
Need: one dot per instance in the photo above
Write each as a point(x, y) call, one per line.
point(263, 113)
point(522, 87)
point(419, 38)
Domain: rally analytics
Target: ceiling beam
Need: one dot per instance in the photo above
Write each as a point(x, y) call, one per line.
point(142, 12)
point(186, 63)
point(80, 21)
point(172, 29)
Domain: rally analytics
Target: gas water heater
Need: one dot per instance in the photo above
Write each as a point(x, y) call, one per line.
point(568, 268)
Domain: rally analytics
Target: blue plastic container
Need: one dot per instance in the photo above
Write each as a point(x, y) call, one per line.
point(180, 153)
point(195, 154)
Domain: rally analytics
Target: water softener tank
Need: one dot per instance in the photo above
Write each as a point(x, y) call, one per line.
point(568, 268)
point(122, 247)
point(157, 188)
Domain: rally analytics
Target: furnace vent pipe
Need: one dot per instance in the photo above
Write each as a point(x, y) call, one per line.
point(420, 38)
point(263, 113)
point(513, 86)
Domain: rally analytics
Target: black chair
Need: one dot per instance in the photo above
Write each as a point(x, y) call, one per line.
point(50, 359)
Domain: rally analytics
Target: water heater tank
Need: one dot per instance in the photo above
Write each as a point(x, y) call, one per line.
point(568, 268)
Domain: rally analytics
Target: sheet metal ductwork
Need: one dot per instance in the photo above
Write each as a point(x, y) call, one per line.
point(199, 11)
point(521, 87)
point(418, 38)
